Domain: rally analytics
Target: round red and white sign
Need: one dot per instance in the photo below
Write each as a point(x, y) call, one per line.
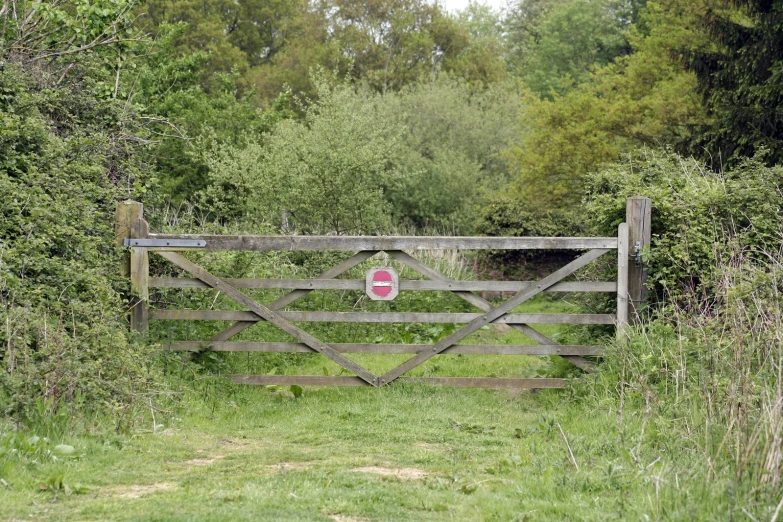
point(382, 284)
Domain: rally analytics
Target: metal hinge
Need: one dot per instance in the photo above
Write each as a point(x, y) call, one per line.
point(173, 243)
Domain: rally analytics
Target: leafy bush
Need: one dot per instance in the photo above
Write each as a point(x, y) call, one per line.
point(450, 151)
point(187, 119)
point(694, 210)
point(65, 159)
point(505, 216)
point(323, 174)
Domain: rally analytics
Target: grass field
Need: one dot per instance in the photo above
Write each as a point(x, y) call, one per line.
point(402, 453)
point(406, 452)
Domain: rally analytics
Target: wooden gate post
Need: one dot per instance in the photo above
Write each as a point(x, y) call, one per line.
point(128, 212)
point(140, 278)
point(638, 216)
point(130, 224)
point(622, 280)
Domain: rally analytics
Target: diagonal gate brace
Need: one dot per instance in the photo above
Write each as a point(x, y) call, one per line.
point(289, 298)
point(269, 315)
point(485, 306)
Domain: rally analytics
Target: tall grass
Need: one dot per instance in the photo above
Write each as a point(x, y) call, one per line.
point(712, 364)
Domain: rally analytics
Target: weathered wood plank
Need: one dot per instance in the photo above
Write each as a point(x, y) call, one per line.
point(139, 275)
point(576, 360)
point(638, 215)
point(287, 299)
point(299, 380)
point(489, 382)
point(622, 279)
point(459, 382)
point(381, 317)
point(269, 243)
point(491, 315)
point(127, 213)
point(270, 316)
point(359, 284)
point(464, 349)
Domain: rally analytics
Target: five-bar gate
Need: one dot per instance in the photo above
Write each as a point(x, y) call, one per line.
point(133, 231)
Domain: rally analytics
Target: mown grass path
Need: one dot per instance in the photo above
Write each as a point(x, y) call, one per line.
point(406, 452)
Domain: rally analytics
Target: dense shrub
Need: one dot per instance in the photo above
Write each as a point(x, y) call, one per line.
point(505, 216)
point(323, 174)
point(65, 160)
point(450, 154)
point(694, 211)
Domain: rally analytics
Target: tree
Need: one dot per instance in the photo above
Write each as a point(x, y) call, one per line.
point(450, 153)
point(207, 24)
point(187, 119)
point(324, 174)
point(483, 62)
point(273, 45)
point(741, 80)
point(642, 98)
point(395, 42)
point(235, 35)
point(559, 42)
point(309, 48)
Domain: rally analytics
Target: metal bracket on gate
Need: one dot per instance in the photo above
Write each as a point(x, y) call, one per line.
point(163, 243)
point(637, 253)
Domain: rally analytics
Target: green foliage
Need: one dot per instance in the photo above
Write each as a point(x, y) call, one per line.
point(187, 119)
point(449, 157)
point(36, 31)
point(642, 98)
point(323, 174)
point(709, 358)
point(696, 212)
point(504, 216)
point(274, 45)
point(235, 35)
point(568, 41)
point(740, 79)
point(66, 158)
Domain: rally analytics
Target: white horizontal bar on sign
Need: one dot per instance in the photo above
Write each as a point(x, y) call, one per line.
point(355, 243)
point(359, 284)
point(380, 317)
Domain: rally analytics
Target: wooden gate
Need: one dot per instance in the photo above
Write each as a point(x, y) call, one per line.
point(133, 231)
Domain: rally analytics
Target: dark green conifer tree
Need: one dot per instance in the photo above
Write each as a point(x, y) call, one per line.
point(741, 79)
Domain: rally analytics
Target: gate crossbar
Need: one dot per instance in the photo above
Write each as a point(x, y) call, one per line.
point(289, 298)
point(484, 305)
point(492, 315)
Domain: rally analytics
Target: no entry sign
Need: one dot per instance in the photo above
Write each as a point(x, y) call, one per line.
point(383, 284)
